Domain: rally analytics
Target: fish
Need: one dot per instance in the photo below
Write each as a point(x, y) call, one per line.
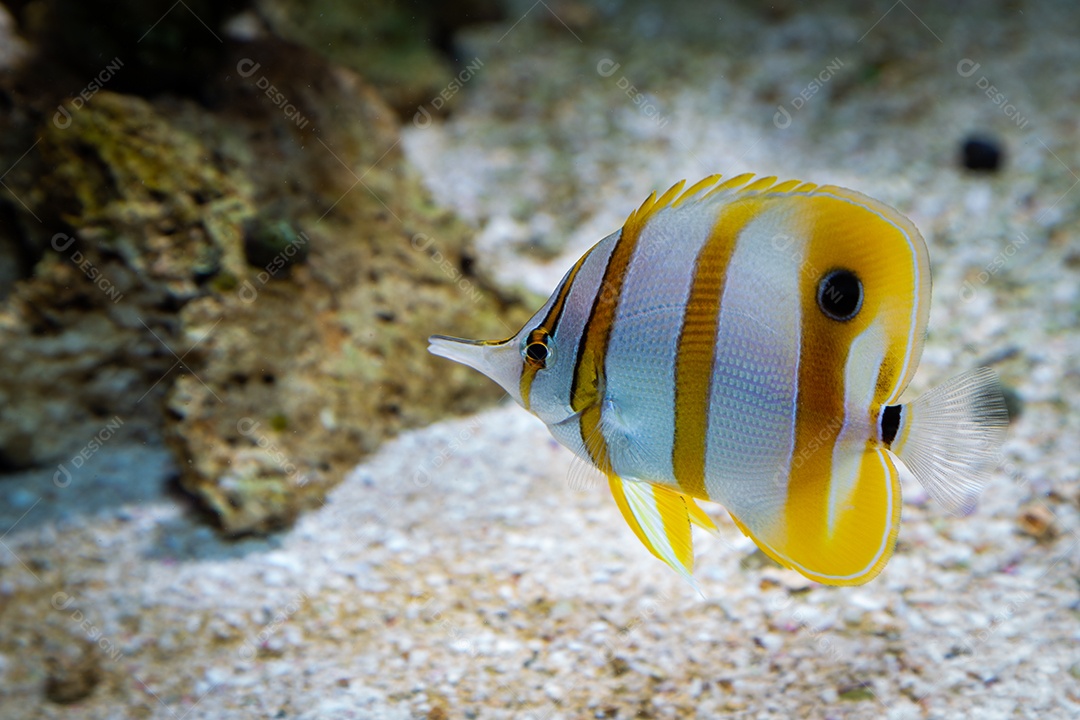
point(746, 342)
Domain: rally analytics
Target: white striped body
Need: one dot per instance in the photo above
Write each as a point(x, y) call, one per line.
point(713, 349)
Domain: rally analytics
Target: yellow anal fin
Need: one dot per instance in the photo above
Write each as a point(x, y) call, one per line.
point(857, 544)
point(661, 518)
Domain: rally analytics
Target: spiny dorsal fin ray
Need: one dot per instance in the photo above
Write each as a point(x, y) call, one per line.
point(710, 187)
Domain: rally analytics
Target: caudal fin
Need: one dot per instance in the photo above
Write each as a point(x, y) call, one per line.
point(949, 438)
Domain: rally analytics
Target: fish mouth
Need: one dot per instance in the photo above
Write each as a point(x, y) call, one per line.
point(497, 359)
point(460, 350)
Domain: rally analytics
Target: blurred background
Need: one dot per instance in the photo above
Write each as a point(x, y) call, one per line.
point(233, 482)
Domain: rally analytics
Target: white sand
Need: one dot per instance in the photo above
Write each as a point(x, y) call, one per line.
point(456, 570)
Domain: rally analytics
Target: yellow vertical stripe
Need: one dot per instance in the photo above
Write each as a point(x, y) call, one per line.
point(697, 346)
point(820, 411)
point(587, 386)
point(866, 241)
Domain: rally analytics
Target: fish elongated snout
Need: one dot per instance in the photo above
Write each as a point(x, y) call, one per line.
point(499, 360)
point(460, 350)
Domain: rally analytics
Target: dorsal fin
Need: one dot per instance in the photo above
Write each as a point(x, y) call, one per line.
point(650, 207)
point(711, 187)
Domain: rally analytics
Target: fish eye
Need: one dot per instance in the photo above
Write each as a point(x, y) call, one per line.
point(538, 350)
point(840, 295)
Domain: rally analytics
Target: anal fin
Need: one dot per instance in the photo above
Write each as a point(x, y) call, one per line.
point(848, 544)
point(661, 519)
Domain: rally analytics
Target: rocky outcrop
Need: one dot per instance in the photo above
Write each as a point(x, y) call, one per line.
point(130, 221)
point(305, 365)
point(255, 279)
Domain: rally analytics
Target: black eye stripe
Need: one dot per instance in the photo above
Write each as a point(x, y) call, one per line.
point(840, 294)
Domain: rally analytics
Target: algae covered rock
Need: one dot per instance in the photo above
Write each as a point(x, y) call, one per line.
point(127, 216)
point(137, 187)
point(254, 280)
point(318, 352)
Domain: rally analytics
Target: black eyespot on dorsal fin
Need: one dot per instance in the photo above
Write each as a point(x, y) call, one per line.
point(890, 423)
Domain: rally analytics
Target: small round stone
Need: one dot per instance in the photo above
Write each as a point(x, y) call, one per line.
point(981, 153)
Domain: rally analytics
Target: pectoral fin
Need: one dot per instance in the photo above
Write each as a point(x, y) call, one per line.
point(661, 519)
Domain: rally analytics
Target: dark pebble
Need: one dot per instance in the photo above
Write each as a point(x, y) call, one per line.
point(982, 153)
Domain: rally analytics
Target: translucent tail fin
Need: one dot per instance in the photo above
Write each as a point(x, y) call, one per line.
point(949, 438)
